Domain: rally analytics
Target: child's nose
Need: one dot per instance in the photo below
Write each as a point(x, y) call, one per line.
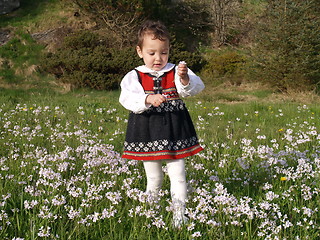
point(158, 57)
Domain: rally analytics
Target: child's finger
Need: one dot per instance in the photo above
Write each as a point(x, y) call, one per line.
point(182, 72)
point(158, 99)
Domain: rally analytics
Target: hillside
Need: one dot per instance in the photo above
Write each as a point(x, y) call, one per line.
point(40, 26)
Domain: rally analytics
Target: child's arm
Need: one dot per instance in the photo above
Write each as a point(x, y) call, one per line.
point(187, 83)
point(132, 95)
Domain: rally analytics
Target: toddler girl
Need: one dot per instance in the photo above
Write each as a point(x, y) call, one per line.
point(159, 125)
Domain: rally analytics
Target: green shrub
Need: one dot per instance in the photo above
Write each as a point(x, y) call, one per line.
point(86, 60)
point(224, 66)
point(83, 39)
point(226, 63)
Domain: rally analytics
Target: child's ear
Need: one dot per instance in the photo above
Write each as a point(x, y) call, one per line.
point(139, 51)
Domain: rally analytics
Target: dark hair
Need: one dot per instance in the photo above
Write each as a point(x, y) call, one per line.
point(155, 28)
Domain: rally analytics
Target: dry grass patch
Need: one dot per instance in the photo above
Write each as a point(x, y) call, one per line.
point(251, 92)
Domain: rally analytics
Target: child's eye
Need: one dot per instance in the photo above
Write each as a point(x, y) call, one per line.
point(164, 53)
point(151, 54)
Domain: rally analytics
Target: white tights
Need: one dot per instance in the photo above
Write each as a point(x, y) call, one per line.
point(177, 175)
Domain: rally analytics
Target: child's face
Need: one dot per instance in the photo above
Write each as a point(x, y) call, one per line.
point(155, 53)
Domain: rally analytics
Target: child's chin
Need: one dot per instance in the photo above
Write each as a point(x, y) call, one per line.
point(157, 67)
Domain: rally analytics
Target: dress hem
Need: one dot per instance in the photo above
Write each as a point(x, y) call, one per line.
point(163, 155)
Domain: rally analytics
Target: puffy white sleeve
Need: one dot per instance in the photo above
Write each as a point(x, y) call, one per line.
point(132, 96)
point(195, 85)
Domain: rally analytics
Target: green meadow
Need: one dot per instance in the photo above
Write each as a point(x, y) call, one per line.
point(62, 176)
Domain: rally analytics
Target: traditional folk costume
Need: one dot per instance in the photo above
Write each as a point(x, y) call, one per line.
point(161, 133)
point(164, 132)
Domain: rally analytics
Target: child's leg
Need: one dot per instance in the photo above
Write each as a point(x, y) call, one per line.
point(177, 175)
point(154, 176)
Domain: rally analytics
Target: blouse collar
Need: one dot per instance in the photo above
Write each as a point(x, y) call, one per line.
point(166, 68)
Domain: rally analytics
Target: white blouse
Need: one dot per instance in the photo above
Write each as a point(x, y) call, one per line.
point(133, 97)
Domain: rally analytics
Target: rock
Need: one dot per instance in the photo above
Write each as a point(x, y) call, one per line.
point(52, 38)
point(7, 6)
point(5, 36)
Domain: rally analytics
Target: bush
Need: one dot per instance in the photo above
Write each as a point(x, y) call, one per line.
point(85, 60)
point(83, 39)
point(225, 64)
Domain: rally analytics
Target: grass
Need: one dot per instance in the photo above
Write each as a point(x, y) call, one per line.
point(62, 176)
point(262, 94)
point(20, 57)
point(32, 15)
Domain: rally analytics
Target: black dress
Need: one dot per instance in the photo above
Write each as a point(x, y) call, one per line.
point(164, 132)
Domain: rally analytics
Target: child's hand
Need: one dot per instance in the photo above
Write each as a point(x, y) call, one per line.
point(183, 73)
point(155, 99)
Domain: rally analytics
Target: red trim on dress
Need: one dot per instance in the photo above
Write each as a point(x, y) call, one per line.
point(161, 155)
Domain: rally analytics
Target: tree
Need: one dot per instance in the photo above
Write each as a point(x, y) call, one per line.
point(221, 10)
point(223, 14)
point(288, 44)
